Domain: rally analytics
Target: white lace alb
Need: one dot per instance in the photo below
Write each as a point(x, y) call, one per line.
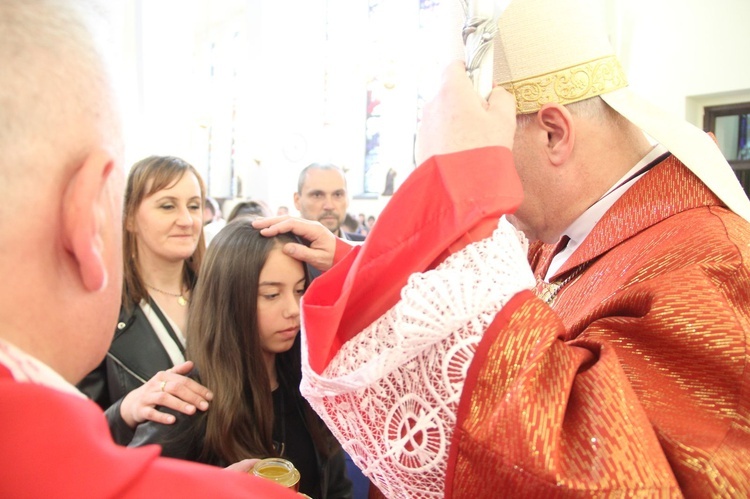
point(390, 395)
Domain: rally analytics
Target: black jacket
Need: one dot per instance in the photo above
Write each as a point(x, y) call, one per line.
point(184, 440)
point(135, 356)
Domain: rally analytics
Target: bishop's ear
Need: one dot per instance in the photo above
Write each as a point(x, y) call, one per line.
point(86, 204)
point(557, 121)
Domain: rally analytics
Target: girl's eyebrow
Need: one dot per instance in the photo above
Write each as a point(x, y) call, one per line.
point(277, 283)
point(269, 283)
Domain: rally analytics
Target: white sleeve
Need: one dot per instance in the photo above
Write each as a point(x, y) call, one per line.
point(391, 393)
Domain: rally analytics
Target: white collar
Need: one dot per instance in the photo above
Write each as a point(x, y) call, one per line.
point(579, 230)
point(27, 369)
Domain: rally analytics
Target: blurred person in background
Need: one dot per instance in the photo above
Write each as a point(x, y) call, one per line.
point(211, 211)
point(350, 224)
point(250, 208)
point(322, 196)
point(213, 220)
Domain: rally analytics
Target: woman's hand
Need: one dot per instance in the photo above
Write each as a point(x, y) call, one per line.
point(243, 466)
point(170, 389)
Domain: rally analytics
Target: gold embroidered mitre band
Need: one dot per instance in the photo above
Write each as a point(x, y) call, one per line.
point(568, 85)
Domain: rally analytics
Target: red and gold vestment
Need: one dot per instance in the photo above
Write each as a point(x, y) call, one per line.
point(635, 380)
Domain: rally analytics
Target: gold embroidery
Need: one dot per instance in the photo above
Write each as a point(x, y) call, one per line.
point(568, 85)
point(547, 291)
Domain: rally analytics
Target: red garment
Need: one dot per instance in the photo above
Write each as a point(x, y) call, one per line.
point(636, 381)
point(441, 208)
point(57, 445)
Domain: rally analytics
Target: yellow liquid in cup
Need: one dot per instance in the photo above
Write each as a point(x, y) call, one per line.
point(279, 470)
point(274, 472)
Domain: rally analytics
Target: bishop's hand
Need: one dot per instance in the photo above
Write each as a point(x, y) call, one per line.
point(458, 119)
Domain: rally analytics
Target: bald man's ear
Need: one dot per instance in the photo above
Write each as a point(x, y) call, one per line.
point(85, 206)
point(557, 121)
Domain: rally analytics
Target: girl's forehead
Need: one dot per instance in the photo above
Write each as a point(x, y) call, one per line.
point(281, 268)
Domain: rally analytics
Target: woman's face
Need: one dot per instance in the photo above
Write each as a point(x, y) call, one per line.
point(168, 223)
point(280, 287)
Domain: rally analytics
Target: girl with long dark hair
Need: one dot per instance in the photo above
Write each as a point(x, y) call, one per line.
point(243, 336)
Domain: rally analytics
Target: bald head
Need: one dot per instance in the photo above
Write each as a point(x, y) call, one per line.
point(55, 95)
point(61, 182)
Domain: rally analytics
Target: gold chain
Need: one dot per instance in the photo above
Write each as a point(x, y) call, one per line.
point(180, 296)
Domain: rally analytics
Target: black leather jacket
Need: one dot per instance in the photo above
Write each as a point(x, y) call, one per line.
point(184, 440)
point(135, 356)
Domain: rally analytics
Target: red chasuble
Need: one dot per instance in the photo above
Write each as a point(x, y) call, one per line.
point(633, 380)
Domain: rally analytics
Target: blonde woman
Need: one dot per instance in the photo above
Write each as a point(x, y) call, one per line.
point(163, 248)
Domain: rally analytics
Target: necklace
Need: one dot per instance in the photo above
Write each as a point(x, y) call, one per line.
point(180, 297)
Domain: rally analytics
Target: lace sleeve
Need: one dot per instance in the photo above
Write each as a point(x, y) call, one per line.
point(391, 393)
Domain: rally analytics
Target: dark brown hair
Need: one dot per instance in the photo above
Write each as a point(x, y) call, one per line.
point(223, 341)
point(146, 177)
point(250, 208)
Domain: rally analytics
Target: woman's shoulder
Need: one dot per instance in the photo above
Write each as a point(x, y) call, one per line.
point(181, 439)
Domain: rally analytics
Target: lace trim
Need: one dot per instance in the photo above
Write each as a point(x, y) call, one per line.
point(391, 393)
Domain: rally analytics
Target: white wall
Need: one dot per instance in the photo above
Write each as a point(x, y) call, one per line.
point(683, 54)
